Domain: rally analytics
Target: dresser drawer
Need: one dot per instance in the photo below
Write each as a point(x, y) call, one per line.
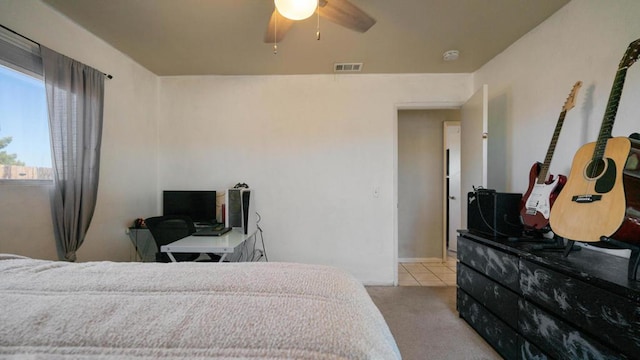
point(493, 296)
point(612, 319)
point(493, 263)
point(559, 339)
point(497, 333)
point(528, 351)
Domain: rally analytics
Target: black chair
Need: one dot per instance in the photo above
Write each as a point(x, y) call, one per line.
point(167, 229)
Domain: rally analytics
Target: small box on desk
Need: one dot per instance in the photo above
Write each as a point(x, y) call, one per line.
point(494, 213)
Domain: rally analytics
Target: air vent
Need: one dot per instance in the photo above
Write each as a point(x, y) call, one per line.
point(347, 67)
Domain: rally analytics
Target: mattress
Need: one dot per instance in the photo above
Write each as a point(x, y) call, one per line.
point(111, 310)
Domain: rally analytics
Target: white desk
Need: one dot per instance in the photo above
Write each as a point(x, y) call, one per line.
point(224, 244)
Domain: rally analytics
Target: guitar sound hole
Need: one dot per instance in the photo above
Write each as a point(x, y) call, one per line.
point(595, 168)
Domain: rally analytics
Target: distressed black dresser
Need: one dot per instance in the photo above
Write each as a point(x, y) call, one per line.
point(531, 303)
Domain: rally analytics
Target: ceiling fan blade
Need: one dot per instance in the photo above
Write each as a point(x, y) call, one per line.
point(277, 28)
point(344, 13)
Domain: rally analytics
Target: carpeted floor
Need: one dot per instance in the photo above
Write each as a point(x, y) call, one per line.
point(426, 325)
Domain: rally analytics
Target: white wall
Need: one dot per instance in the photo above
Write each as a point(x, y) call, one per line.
point(530, 81)
point(127, 174)
point(314, 148)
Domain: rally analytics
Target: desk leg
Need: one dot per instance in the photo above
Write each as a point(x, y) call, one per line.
point(222, 257)
point(171, 257)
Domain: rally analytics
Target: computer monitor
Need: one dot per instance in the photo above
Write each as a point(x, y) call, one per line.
point(199, 205)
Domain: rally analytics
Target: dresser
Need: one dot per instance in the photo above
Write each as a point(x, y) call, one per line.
point(532, 303)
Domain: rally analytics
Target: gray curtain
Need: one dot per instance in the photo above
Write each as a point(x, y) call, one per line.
point(75, 98)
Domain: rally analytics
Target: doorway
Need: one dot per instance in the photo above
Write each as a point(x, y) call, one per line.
point(423, 214)
point(474, 124)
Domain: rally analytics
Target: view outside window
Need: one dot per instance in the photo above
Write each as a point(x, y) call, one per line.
point(25, 153)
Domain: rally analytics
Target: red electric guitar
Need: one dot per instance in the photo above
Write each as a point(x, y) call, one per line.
point(543, 188)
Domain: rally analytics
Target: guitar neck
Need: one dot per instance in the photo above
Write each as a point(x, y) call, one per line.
point(544, 169)
point(610, 113)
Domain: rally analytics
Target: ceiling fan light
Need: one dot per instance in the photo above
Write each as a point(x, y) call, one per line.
point(296, 9)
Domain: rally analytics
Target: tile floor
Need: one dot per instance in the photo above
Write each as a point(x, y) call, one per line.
point(428, 273)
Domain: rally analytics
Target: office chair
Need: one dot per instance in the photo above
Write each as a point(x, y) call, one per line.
point(169, 228)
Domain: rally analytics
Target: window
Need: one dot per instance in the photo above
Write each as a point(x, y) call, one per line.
point(25, 151)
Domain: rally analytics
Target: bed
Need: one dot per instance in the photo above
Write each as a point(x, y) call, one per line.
point(111, 310)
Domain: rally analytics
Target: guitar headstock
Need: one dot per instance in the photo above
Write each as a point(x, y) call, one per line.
point(631, 55)
point(571, 100)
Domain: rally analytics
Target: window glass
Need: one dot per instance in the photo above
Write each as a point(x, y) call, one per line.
point(25, 153)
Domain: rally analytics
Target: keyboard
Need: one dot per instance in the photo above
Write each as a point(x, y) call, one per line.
point(212, 231)
point(200, 225)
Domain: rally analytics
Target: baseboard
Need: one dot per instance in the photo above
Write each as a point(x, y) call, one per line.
point(377, 283)
point(438, 260)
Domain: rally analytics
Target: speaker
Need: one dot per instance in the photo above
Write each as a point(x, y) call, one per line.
point(494, 213)
point(241, 211)
point(234, 208)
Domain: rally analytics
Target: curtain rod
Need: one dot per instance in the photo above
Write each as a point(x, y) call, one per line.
point(109, 76)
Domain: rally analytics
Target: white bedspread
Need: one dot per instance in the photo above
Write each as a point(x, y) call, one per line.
point(108, 310)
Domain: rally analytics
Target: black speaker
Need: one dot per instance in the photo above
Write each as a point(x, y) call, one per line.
point(241, 212)
point(234, 208)
point(494, 213)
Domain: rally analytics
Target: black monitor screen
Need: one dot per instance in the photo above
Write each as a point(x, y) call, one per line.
point(200, 206)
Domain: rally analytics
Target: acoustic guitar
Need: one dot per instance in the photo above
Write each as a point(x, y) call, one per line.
point(629, 231)
point(543, 187)
point(592, 203)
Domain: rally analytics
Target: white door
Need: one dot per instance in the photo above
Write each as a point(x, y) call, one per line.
point(452, 170)
point(473, 146)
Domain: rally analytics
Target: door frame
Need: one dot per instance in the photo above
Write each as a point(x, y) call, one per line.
point(445, 177)
point(431, 105)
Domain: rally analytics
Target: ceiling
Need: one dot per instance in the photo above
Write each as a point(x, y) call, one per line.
point(225, 37)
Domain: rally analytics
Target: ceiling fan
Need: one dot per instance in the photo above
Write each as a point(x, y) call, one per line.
point(341, 12)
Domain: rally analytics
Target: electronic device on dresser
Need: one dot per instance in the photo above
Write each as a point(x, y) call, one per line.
point(199, 205)
point(494, 213)
point(240, 209)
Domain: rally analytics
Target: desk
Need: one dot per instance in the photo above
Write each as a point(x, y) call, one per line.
point(224, 244)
